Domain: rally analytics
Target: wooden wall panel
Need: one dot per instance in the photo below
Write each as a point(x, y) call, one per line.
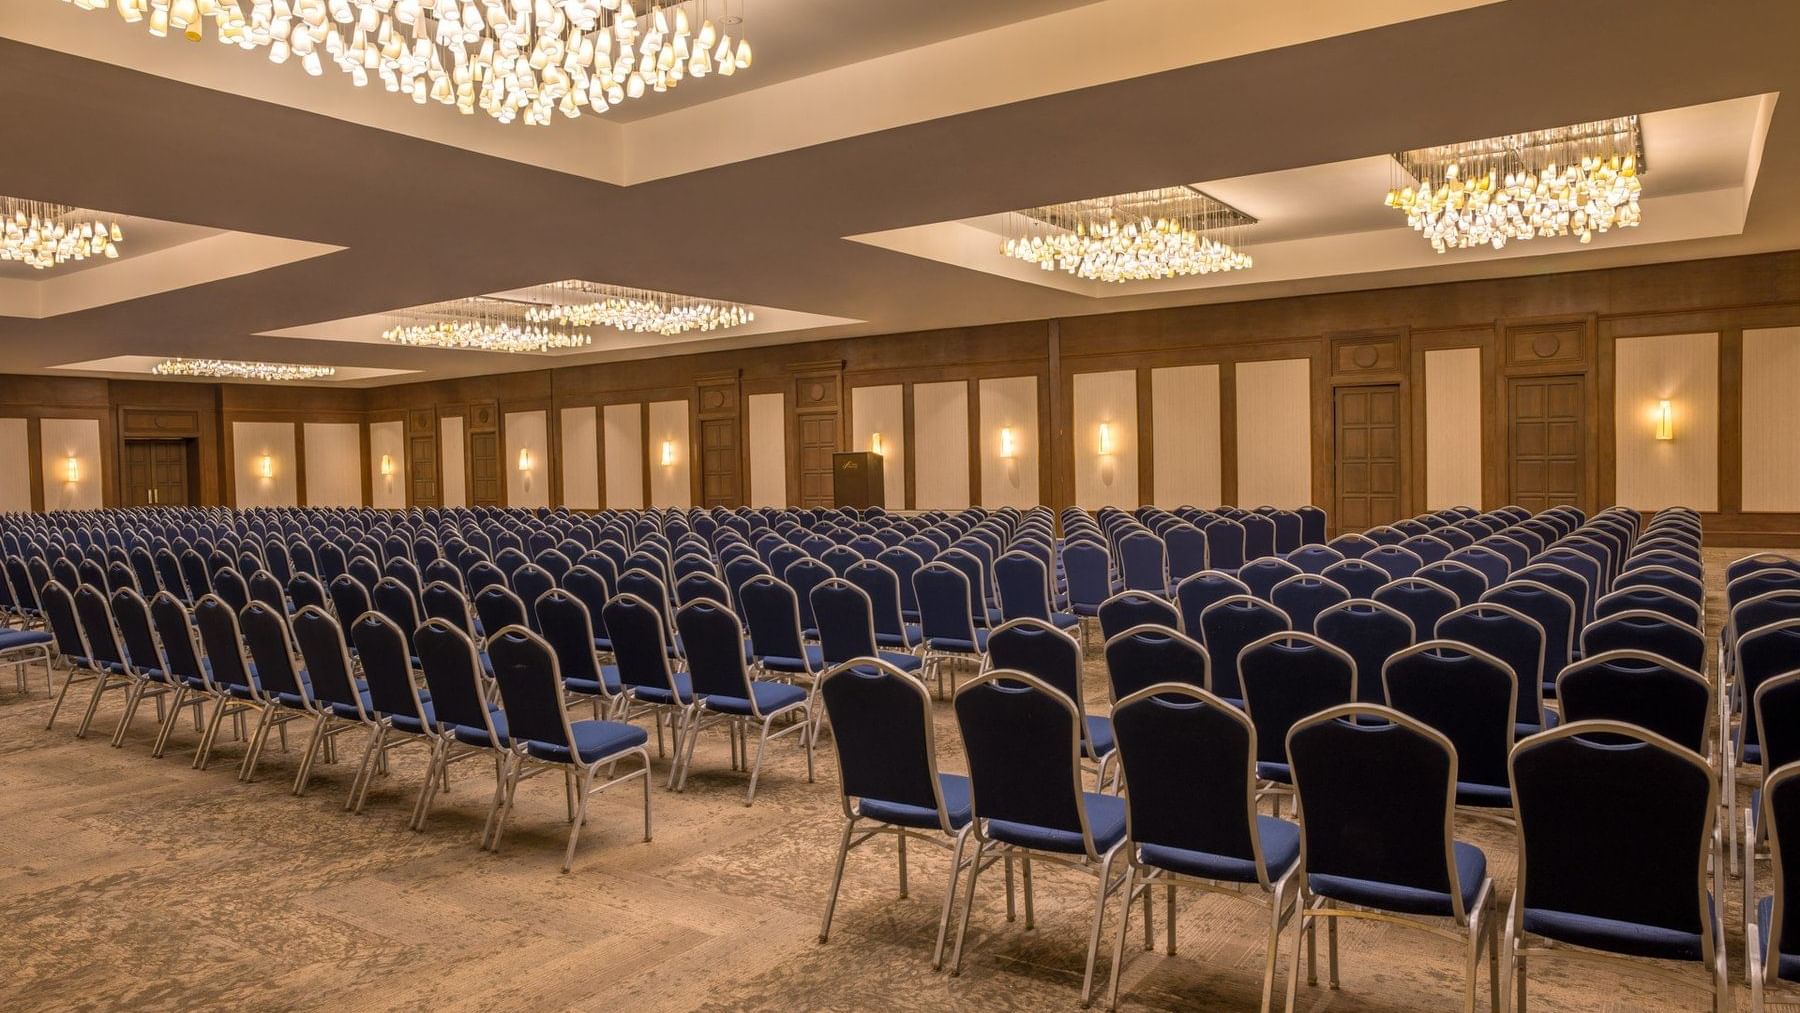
point(882, 409)
point(767, 429)
point(1185, 419)
point(1771, 419)
point(1684, 471)
point(1453, 428)
point(941, 422)
point(1274, 433)
point(1108, 398)
point(1009, 403)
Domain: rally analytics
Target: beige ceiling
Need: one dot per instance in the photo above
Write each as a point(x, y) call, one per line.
point(951, 113)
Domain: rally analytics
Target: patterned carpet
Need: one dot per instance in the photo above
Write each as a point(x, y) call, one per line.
point(131, 882)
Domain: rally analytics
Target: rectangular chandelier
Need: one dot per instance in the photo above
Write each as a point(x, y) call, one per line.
point(1168, 232)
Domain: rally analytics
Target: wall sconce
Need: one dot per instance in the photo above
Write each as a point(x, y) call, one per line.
point(668, 453)
point(387, 466)
point(875, 445)
point(72, 469)
point(1106, 439)
point(1009, 447)
point(266, 466)
point(524, 459)
point(1665, 420)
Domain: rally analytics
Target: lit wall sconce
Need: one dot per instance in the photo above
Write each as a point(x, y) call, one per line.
point(524, 459)
point(668, 453)
point(1009, 447)
point(875, 445)
point(1665, 420)
point(72, 469)
point(265, 466)
point(387, 466)
point(1106, 439)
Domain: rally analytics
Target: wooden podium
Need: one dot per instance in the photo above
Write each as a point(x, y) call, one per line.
point(856, 480)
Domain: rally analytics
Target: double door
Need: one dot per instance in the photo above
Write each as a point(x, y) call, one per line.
point(156, 473)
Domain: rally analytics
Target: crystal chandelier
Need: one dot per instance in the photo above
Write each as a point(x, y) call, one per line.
point(637, 311)
point(44, 235)
point(512, 59)
point(481, 324)
point(1567, 181)
point(230, 369)
point(1171, 232)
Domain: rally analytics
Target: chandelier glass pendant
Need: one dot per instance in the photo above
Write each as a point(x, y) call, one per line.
point(230, 369)
point(637, 311)
point(481, 325)
point(42, 235)
point(1170, 232)
point(1576, 180)
point(512, 59)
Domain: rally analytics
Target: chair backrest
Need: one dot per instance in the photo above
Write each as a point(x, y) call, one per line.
point(882, 585)
point(715, 653)
point(1144, 562)
point(884, 737)
point(95, 615)
point(326, 656)
point(531, 687)
point(803, 575)
point(1551, 609)
point(1314, 558)
point(1190, 759)
point(1287, 676)
point(175, 631)
point(1360, 578)
point(219, 635)
point(1153, 653)
point(1376, 793)
point(1187, 550)
point(1665, 578)
point(640, 642)
point(1615, 822)
point(1395, 561)
point(387, 666)
point(1261, 575)
point(1638, 688)
point(266, 634)
point(1351, 544)
point(498, 607)
point(1763, 654)
point(568, 627)
point(1418, 599)
point(1230, 625)
point(1513, 637)
point(529, 582)
point(1370, 633)
point(1024, 586)
point(945, 602)
point(701, 584)
point(1464, 692)
point(1196, 593)
point(1781, 815)
point(846, 621)
point(1646, 631)
point(1259, 536)
point(1038, 648)
point(1304, 595)
point(136, 631)
point(1654, 599)
point(1225, 543)
point(772, 612)
point(1463, 581)
point(1023, 740)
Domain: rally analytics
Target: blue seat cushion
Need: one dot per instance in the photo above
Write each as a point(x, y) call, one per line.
point(684, 685)
point(11, 640)
point(1787, 968)
point(955, 791)
point(1100, 737)
point(1614, 936)
point(470, 735)
point(1271, 771)
point(814, 661)
point(594, 741)
point(1065, 620)
point(769, 697)
point(957, 645)
point(609, 679)
point(408, 723)
point(1483, 796)
point(1471, 869)
point(1280, 848)
point(1106, 824)
point(1522, 729)
point(908, 638)
point(1082, 608)
point(904, 662)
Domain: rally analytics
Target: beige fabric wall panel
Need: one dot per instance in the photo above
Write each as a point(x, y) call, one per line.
point(386, 492)
point(1452, 428)
point(941, 422)
point(455, 469)
point(1274, 433)
point(622, 427)
point(1684, 471)
point(883, 410)
point(1109, 479)
point(251, 442)
point(334, 465)
point(669, 442)
point(78, 438)
point(1009, 403)
point(1184, 416)
point(1771, 413)
point(528, 432)
point(580, 458)
point(15, 464)
point(768, 450)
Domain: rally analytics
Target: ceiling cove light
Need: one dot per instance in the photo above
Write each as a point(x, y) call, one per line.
point(1171, 232)
point(229, 369)
point(1566, 181)
point(512, 59)
point(637, 311)
point(44, 235)
point(479, 324)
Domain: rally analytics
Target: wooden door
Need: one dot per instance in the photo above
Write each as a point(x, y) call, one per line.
point(1368, 456)
point(719, 463)
point(140, 473)
point(818, 441)
point(484, 469)
point(156, 473)
point(1546, 426)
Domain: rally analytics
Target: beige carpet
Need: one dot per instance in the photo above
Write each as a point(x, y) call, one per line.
point(139, 883)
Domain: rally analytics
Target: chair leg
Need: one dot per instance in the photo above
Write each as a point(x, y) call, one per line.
point(646, 757)
point(377, 744)
point(1170, 916)
point(1331, 934)
point(900, 858)
point(1118, 957)
point(134, 694)
point(762, 743)
point(313, 744)
point(68, 681)
point(837, 879)
point(1100, 895)
point(167, 727)
point(102, 683)
point(203, 752)
point(956, 864)
point(1302, 916)
point(1025, 885)
point(512, 790)
point(1271, 950)
point(584, 780)
point(437, 769)
point(500, 766)
point(962, 930)
point(265, 723)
